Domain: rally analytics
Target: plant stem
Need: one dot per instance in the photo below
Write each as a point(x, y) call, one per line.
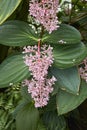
point(42, 32)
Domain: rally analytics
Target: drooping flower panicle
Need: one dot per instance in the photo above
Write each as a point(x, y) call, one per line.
point(45, 12)
point(39, 59)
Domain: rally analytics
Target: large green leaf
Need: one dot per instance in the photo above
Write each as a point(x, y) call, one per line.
point(67, 102)
point(53, 121)
point(51, 106)
point(7, 7)
point(65, 33)
point(41, 126)
point(13, 70)
point(25, 94)
point(68, 79)
point(27, 118)
point(17, 33)
point(19, 107)
point(70, 55)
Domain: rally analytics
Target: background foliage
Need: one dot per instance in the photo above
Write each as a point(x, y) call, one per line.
point(69, 88)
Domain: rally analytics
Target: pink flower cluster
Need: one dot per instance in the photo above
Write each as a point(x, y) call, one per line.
point(39, 59)
point(45, 12)
point(83, 70)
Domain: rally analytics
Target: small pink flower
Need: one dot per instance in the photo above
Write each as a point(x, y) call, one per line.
point(45, 12)
point(83, 70)
point(38, 60)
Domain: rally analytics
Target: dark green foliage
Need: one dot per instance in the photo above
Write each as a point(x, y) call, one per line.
point(67, 79)
point(67, 102)
point(53, 121)
point(69, 50)
point(66, 33)
point(66, 56)
point(13, 70)
point(27, 118)
point(9, 99)
point(17, 33)
point(7, 8)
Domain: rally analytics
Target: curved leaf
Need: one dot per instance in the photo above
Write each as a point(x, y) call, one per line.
point(68, 79)
point(41, 126)
point(67, 102)
point(17, 33)
point(53, 121)
point(25, 94)
point(51, 106)
point(18, 108)
point(13, 70)
point(7, 7)
point(27, 118)
point(65, 33)
point(70, 55)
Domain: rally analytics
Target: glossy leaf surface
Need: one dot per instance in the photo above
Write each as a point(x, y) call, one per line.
point(65, 33)
point(67, 102)
point(67, 79)
point(17, 33)
point(70, 55)
point(13, 70)
point(7, 7)
point(27, 118)
point(53, 121)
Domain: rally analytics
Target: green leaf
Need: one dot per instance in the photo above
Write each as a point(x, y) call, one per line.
point(51, 104)
point(53, 121)
point(13, 70)
point(68, 79)
point(19, 107)
point(17, 33)
point(70, 55)
point(7, 7)
point(27, 118)
point(80, 19)
point(25, 94)
point(56, 87)
point(3, 118)
point(65, 32)
point(66, 102)
point(41, 126)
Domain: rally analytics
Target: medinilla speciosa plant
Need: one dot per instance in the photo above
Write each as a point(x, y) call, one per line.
point(52, 66)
